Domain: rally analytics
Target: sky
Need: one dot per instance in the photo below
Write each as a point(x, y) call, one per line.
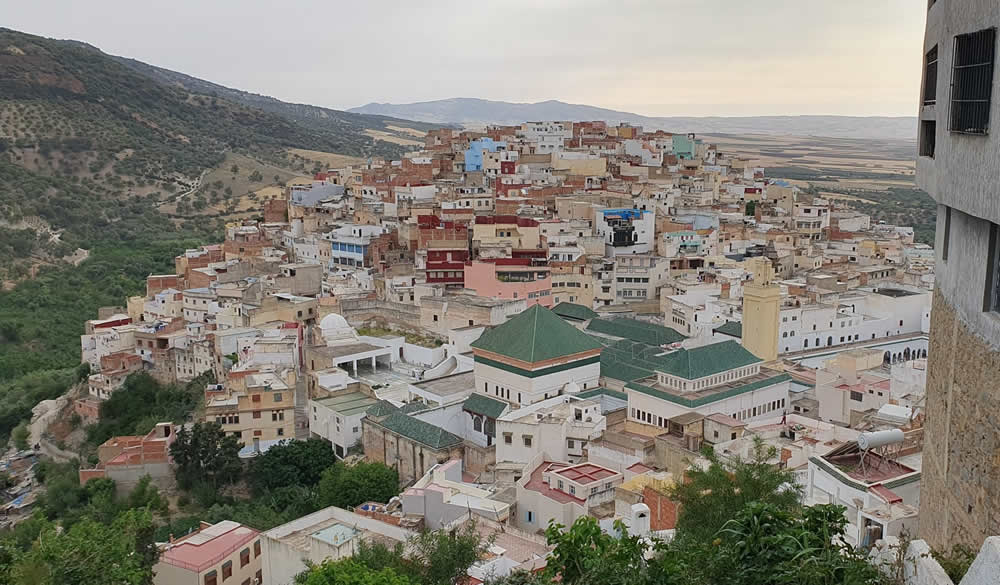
point(657, 57)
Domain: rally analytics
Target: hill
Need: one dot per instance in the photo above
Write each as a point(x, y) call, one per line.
point(96, 147)
point(473, 112)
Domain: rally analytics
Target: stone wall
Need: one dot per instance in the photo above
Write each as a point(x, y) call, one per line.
point(960, 486)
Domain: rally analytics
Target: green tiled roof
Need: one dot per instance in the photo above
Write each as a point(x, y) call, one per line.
point(535, 335)
point(422, 432)
point(484, 405)
point(574, 311)
point(413, 407)
point(703, 400)
point(648, 333)
point(381, 408)
point(603, 392)
point(706, 360)
point(731, 328)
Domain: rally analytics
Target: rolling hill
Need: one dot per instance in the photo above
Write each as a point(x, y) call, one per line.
point(93, 145)
point(473, 112)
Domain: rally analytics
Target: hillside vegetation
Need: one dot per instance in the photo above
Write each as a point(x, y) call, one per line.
point(100, 147)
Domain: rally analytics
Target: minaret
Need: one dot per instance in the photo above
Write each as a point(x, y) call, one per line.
point(761, 308)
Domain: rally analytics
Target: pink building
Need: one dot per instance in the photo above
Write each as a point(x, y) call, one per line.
point(510, 278)
point(227, 552)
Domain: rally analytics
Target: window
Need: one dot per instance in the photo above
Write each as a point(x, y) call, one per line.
point(277, 396)
point(256, 549)
point(928, 137)
point(259, 576)
point(244, 557)
point(530, 517)
point(972, 82)
point(930, 76)
point(947, 233)
point(857, 396)
point(527, 440)
point(435, 318)
point(992, 295)
point(507, 439)
point(256, 414)
point(211, 578)
point(227, 570)
point(572, 490)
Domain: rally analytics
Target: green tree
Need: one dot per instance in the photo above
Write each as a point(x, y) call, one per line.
point(586, 555)
point(292, 463)
point(20, 435)
point(346, 486)
point(349, 572)
point(205, 455)
point(751, 208)
point(712, 496)
point(91, 553)
point(431, 558)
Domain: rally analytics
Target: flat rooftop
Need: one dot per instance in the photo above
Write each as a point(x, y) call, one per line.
point(586, 473)
point(337, 351)
point(536, 483)
point(348, 404)
point(450, 385)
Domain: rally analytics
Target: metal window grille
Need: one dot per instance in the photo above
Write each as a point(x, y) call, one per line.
point(972, 82)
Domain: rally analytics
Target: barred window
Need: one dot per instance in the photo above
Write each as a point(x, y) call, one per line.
point(972, 82)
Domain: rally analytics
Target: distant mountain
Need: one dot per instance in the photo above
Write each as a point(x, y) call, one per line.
point(473, 111)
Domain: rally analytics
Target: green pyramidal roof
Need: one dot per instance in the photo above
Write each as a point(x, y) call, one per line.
point(536, 335)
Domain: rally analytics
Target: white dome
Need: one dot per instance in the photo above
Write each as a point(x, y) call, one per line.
point(571, 387)
point(333, 322)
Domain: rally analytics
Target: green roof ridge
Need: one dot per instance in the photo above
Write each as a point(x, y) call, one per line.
point(485, 405)
point(420, 431)
point(536, 334)
point(696, 402)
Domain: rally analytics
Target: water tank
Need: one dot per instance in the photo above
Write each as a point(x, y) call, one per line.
point(877, 439)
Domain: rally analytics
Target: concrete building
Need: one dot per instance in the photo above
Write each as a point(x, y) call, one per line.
point(510, 278)
point(533, 357)
point(554, 491)
point(337, 419)
point(329, 534)
point(850, 384)
point(406, 443)
point(561, 427)
point(254, 405)
point(625, 231)
point(442, 498)
point(127, 459)
point(958, 166)
point(212, 555)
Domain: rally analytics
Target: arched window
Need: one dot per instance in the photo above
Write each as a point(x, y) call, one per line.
point(477, 424)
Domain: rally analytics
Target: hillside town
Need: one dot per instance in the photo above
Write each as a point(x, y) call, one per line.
point(529, 324)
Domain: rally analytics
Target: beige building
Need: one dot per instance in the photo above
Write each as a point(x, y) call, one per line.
point(215, 554)
point(254, 405)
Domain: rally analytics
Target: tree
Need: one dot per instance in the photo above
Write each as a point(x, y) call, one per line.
point(349, 572)
point(584, 554)
point(432, 558)
point(711, 497)
point(292, 463)
point(234, 169)
point(205, 455)
point(751, 208)
point(20, 435)
point(346, 486)
point(91, 553)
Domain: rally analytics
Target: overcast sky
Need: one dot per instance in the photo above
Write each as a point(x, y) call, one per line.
point(659, 57)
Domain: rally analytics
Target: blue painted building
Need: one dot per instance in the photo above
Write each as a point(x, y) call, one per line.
point(474, 155)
